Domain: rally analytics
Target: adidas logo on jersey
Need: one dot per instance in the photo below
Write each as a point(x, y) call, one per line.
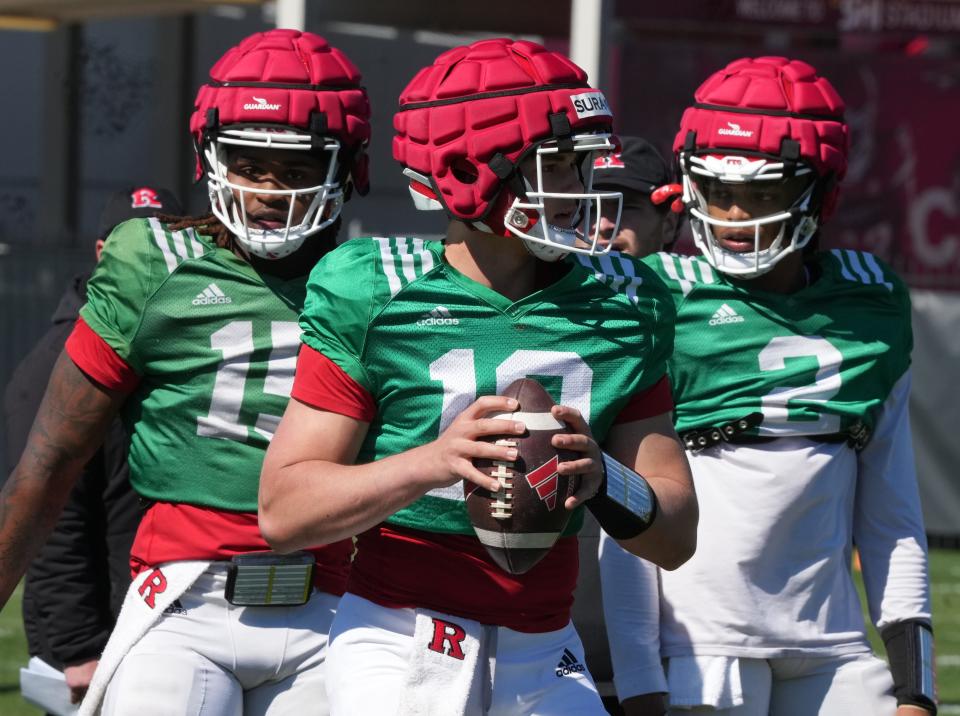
point(725, 314)
point(569, 664)
point(210, 295)
point(439, 316)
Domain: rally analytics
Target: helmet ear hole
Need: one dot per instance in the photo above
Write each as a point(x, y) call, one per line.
point(464, 171)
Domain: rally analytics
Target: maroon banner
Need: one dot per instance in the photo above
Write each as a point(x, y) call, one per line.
point(902, 16)
point(901, 198)
point(835, 16)
point(820, 13)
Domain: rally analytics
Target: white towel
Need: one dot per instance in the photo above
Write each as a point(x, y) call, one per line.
point(139, 612)
point(439, 681)
point(704, 681)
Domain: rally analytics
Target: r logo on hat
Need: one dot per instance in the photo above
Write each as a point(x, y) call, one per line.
point(145, 198)
point(133, 202)
point(609, 161)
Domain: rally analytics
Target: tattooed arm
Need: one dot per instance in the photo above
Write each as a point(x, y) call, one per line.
point(69, 427)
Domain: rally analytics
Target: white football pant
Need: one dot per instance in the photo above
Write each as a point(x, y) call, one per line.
point(373, 653)
point(805, 686)
point(207, 657)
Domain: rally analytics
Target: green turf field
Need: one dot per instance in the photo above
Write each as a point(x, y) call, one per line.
point(944, 576)
point(13, 655)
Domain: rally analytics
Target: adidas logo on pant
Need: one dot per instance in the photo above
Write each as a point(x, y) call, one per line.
point(175, 608)
point(569, 665)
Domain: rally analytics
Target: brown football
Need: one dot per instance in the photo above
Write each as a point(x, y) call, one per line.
point(519, 524)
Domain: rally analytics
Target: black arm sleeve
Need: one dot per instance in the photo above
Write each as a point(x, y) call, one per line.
point(625, 505)
point(910, 651)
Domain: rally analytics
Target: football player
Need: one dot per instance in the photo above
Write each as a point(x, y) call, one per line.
point(391, 408)
point(190, 330)
point(649, 221)
point(791, 377)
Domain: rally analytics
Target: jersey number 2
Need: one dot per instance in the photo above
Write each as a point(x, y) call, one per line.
point(826, 384)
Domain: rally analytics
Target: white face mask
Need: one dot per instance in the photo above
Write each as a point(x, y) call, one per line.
point(227, 198)
point(549, 242)
point(799, 218)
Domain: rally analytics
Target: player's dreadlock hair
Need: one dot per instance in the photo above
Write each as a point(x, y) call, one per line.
point(296, 264)
point(207, 225)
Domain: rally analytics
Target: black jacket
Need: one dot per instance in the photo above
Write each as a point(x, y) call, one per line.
point(76, 585)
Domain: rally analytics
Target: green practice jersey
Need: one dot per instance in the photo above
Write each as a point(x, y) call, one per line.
point(425, 341)
point(215, 345)
point(812, 362)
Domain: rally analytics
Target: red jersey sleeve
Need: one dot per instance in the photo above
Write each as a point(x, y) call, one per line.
point(655, 400)
point(98, 360)
point(322, 384)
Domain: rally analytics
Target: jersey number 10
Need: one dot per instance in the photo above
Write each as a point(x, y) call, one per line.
point(456, 370)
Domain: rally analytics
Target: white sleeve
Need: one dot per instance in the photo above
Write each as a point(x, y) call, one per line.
point(888, 524)
point(631, 608)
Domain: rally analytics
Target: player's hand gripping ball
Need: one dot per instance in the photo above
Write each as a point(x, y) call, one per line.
point(521, 522)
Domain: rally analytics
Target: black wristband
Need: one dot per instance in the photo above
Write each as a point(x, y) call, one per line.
point(910, 651)
point(625, 505)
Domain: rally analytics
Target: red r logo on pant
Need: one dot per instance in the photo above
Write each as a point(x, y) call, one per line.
point(447, 639)
point(152, 586)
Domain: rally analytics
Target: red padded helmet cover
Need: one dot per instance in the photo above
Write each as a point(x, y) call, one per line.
point(280, 77)
point(769, 99)
point(494, 96)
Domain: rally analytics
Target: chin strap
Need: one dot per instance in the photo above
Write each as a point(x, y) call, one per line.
point(544, 252)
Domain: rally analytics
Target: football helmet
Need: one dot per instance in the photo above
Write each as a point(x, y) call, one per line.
point(760, 122)
point(469, 120)
point(288, 91)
